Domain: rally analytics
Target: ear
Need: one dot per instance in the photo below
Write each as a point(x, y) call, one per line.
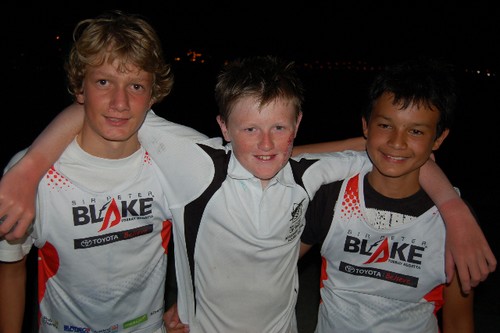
point(365, 127)
point(439, 141)
point(151, 102)
point(80, 99)
point(223, 128)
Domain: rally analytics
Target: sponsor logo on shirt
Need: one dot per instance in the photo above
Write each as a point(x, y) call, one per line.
point(84, 243)
point(296, 224)
point(50, 322)
point(380, 274)
point(113, 211)
point(398, 252)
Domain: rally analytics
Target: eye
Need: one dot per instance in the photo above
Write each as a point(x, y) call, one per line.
point(416, 132)
point(102, 82)
point(250, 129)
point(382, 125)
point(137, 87)
point(280, 128)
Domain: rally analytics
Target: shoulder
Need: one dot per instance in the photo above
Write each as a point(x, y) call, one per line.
point(154, 122)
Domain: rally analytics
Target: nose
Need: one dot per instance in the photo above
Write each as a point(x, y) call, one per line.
point(398, 140)
point(266, 141)
point(119, 101)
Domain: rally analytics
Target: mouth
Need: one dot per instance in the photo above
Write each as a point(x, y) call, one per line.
point(264, 157)
point(116, 121)
point(395, 158)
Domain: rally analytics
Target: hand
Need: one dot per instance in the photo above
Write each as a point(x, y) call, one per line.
point(19, 185)
point(173, 322)
point(466, 246)
point(17, 203)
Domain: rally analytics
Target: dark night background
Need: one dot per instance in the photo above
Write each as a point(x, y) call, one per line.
point(338, 46)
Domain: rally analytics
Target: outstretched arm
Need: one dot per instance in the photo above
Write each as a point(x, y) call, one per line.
point(19, 184)
point(357, 143)
point(466, 245)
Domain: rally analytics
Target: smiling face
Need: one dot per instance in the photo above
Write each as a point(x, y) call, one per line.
point(399, 141)
point(261, 137)
point(115, 103)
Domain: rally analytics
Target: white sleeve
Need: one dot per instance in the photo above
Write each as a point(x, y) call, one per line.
point(11, 251)
point(188, 170)
point(155, 127)
point(331, 167)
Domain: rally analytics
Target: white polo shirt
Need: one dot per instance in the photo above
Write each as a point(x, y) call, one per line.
point(236, 245)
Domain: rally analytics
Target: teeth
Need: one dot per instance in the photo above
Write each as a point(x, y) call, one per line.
point(266, 158)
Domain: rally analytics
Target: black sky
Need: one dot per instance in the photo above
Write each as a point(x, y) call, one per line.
point(377, 30)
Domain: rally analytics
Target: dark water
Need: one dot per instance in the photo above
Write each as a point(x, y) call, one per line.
point(334, 99)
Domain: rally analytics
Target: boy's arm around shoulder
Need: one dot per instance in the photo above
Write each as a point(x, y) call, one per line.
point(177, 150)
point(357, 143)
point(325, 168)
point(155, 127)
point(19, 184)
point(466, 245)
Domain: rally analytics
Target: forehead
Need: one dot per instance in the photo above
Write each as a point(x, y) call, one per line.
point(415, 113)
point(388, 99)
point(119, 68)
point(250, 106)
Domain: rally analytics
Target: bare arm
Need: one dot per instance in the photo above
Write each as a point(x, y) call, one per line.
point(12, 295)
point(357, 143)
point(19, 184)
point(458, 309)
point(466, 245)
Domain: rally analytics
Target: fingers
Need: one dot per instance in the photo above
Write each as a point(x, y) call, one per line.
point(179, 328)
point(173, 322)
point(465, 277)
point(491, 260)
point(7, 223)
point(483, 264)
point(473, 270)
point(13, 227)
point(15, 219)
point(486, 264)
point(449, 266)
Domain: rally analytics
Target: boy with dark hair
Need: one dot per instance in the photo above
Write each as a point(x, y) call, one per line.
point(382, 238)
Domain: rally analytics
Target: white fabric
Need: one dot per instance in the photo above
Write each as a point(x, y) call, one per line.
point(388, 291)
point(245, 238)
point(102, 254)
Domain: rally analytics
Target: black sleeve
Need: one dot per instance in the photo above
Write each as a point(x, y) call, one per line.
point(319, 214)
